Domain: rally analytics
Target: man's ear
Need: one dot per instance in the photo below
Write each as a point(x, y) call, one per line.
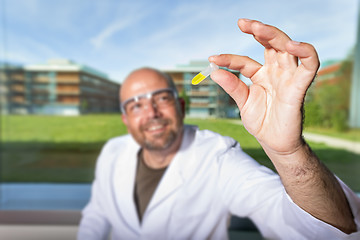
point(124, 119)
point(182, 106)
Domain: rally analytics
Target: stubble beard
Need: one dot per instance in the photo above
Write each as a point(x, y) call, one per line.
point(167, 142)
point(166, 139)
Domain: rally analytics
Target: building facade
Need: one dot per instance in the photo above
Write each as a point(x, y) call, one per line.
point(328, 73)
point(11, 87)
point(206, 99)
point(59, 87)
point(354, 119)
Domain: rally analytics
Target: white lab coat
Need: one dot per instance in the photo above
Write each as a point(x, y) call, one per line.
point(208, 179)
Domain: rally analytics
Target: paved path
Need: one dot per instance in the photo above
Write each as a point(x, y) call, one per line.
point(333, 142)
point(330, 141)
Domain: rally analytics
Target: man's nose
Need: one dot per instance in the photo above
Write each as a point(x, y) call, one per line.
point(152, 109)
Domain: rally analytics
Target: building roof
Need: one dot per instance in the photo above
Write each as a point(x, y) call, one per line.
point(193, 66)
point(65, 65)
point(329, 69)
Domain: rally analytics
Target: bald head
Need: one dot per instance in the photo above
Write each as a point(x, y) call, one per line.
point(152, 114)
point(145, 80)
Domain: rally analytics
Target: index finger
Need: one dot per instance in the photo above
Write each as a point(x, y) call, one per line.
point(266, 35)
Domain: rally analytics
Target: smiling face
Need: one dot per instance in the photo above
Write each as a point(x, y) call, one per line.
point(159, 125)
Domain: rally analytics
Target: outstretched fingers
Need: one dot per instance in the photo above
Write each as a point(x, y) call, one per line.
point(281, 54)
point(236, 88)
point(308, 57)
point(266, 35)
point(306, 54)
point(231, 84)
point(245, 65)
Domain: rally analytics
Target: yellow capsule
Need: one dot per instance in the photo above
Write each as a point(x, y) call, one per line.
point(204, 73)
point(198, 79)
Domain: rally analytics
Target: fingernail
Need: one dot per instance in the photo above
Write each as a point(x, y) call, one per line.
point(212, 58)
point(295, 42)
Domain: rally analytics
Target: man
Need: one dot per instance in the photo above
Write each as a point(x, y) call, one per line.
point(170, 181)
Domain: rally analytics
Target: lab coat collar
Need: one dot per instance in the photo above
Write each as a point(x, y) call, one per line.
point(124, 178)
point(123, 184)
point(173, 177)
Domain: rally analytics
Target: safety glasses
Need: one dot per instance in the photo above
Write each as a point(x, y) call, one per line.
point(138, 105)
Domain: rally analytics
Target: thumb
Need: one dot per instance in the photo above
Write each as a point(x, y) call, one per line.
point(231, 84)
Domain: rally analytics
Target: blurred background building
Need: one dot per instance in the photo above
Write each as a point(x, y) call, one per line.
point(355, 88)
point(205, 100)
point(59, 87)
point(62, 87)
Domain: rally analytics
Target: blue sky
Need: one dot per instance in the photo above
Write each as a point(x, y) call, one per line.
point(116, 37)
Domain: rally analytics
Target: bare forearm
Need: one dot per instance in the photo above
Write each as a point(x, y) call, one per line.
point(313, 187)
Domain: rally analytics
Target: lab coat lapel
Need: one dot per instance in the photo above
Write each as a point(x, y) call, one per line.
point(173, 177)
point(124, 180)
point(168, 185)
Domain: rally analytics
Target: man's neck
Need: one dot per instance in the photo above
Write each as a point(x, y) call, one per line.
point(157, 159)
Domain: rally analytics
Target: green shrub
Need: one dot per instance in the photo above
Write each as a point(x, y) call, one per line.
point(312, 114)
point(327, 102)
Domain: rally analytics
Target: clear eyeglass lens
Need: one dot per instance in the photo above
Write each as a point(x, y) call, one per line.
point(140, 104)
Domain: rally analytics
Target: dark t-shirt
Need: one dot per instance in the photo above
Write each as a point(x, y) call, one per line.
point(146, 182)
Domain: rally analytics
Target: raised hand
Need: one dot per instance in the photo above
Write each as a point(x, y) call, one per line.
point(271, 108)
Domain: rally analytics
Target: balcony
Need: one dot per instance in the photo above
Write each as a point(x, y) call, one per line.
point(17, 77)
point(18, 99)
point(68, 81)
point(68, 92)
point(75, 101)
point(202, 93)
point(39, 91)
point(41, 79)
point(199, 105)
point(202, 105)
point(17, 88)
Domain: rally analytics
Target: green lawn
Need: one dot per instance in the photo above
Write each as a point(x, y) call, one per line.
point(64, 149)
point(58, 129)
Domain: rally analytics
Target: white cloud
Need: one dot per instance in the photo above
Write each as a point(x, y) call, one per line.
point(26, 49)
point(110, 30)
point(127, 15)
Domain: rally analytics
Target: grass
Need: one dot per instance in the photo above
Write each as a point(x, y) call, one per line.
point(59, 129)
point(64, 149)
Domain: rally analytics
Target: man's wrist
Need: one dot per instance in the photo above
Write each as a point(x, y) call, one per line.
point(298, 164)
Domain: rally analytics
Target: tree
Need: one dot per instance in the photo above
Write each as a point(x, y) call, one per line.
point(186, 99)
point(328, 105)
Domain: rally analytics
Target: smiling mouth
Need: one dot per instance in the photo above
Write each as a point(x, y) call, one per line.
point(155, 125)
point(155, 128)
